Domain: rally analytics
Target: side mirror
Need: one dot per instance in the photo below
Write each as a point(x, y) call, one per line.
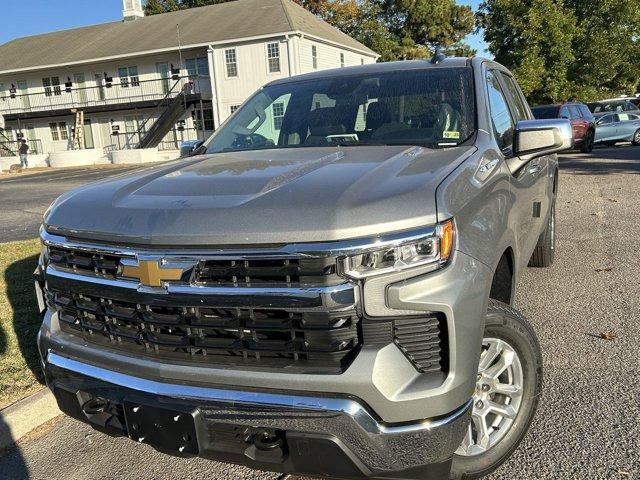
point(188, 147)
point(536, 138)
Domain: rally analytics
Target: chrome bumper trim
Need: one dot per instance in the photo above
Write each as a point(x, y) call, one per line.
point(337, 297)
point(336, 406)
point(336, 248)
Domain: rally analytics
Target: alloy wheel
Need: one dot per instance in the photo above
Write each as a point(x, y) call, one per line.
point(497, 398)
point(636, 137)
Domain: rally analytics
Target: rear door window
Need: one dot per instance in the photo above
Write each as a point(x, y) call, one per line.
point(514, 95)
point(575, 113)
point(564, 113)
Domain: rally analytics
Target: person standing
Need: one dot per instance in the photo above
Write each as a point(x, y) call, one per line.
point(23, 150)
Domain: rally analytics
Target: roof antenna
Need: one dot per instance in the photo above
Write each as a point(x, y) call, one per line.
point(438, 56)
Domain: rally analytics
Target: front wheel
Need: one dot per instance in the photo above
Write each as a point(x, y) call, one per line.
point(508, 388)
point(636, 138)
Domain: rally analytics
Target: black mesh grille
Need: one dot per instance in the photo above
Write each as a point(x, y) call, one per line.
point(268, 272)
point(323, 342)
point(424, 341)
point(214, 272)
point(79, 261)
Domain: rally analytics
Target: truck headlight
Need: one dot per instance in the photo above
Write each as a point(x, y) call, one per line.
point(432, 249)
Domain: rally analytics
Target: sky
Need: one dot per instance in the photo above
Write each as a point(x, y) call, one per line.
point(29, 17)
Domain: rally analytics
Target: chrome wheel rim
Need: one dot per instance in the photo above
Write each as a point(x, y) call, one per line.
point(637, 136)
point(497, 398)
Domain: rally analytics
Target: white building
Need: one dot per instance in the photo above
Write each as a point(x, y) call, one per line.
point(190, 68)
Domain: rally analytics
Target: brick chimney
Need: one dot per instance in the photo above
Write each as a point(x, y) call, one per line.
point(132, 10)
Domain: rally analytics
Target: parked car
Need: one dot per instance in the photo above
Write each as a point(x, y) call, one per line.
point(325, 288)
point(582, 121)
point(614, 105)
point(617, 127)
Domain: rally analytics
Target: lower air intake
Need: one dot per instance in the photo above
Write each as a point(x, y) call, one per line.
point(423, 341)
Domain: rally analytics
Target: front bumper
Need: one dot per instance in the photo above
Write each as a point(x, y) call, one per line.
point(333, 436)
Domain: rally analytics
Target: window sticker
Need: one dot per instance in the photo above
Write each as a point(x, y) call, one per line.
point(451, 134)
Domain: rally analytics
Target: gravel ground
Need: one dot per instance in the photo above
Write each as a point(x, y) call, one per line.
point(588, 424)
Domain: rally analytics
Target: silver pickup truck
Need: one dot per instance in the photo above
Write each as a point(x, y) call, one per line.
point(324, 287)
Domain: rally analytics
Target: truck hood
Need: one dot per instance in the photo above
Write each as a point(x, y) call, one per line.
point(262, 197)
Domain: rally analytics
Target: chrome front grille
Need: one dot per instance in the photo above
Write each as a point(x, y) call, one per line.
point(239, 272)
point(266, 309)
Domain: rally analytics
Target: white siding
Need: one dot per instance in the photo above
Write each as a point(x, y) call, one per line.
point(328, 56)
point(253, 72)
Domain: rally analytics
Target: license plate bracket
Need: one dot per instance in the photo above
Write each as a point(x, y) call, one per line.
point(168, 428)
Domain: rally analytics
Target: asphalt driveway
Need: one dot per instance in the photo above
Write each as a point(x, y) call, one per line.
point(588, 425)
point(25, 197)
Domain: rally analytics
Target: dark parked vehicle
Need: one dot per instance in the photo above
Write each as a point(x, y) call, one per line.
point(582, 121)
point(612, 128)
point(329, 295)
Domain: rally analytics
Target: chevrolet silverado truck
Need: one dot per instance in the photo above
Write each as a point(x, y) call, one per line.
point(324, 287)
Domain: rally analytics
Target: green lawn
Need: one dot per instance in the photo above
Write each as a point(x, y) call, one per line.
point(20, 373)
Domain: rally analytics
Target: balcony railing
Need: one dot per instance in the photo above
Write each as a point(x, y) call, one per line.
point(10, 148)
point(171, 141)
point(120, 92)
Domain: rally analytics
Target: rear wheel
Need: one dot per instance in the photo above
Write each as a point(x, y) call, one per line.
point(545, 251)
point(587, 145)
point(506, 397)
point(636, 138)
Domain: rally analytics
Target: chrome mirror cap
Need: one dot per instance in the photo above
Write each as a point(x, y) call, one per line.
point(536, 138)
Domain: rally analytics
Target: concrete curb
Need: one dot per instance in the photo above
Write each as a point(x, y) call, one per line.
point(24, 416)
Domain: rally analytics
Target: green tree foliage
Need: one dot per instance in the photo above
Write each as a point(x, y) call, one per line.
point(566, 49)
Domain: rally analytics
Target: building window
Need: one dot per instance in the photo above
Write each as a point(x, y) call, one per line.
point(314, 56)
point(231, 61)
point(362, 61)
point(199, 116)
point(197, 66)
point(129, 76)
point(51, 86)
point(59, 131)
point(278, 115)
point(233, 108)
point(342, 60)
point(273, 57)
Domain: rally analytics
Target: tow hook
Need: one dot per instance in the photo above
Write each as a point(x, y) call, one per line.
point(267, 446)
point(95, 406)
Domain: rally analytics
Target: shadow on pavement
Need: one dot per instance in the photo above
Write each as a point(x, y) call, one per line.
point(12, 463)
point(26, 319)
point(603, 161)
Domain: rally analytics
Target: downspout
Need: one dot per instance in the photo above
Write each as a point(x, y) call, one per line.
point(290, 56)
point(215, 88)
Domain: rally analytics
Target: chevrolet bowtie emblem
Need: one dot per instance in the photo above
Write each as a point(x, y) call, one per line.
point(151, 273)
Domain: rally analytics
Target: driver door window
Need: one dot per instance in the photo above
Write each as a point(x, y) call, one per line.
point(503, 124)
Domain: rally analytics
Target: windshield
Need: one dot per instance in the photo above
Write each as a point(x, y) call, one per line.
point(433, 107)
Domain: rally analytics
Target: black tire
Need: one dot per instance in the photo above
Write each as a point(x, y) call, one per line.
point(587, 145)
point(610, 143)
point(506, 323)
point(636, 138)
point(545, 251)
